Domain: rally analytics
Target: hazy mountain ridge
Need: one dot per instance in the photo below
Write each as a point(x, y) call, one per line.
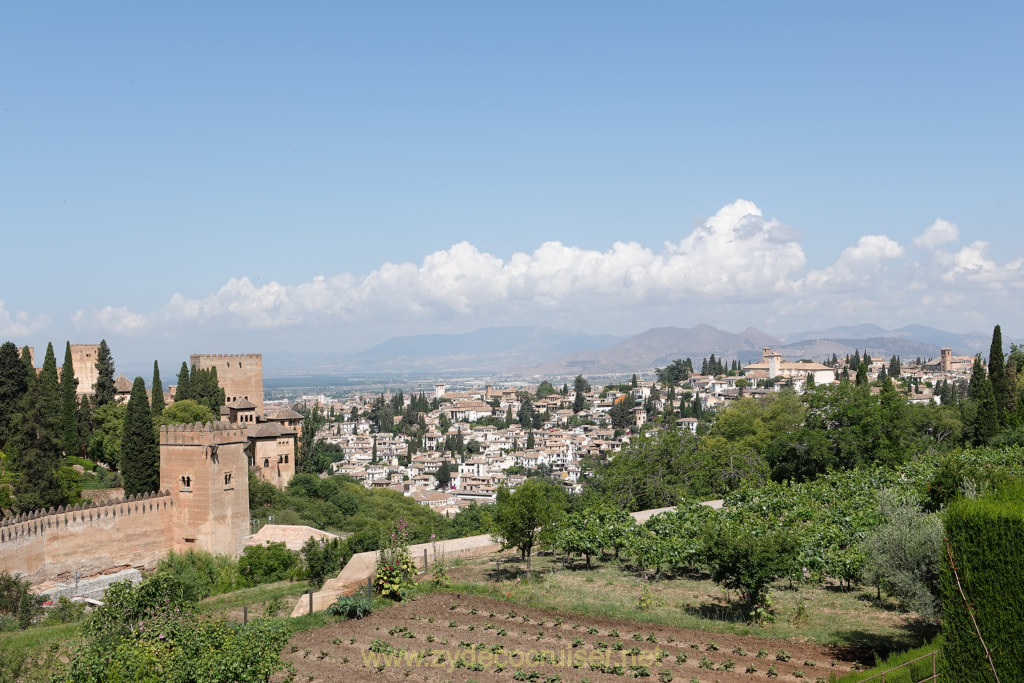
point(541, 351)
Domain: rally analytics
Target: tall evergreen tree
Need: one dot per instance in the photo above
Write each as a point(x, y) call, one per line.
point(13, 387)
point(997, 372)
point(980, 413)
point(856, 359)
point(157, 392)
point(581, 387)
point(69, 405)
point(26, 363)
point(104, 376)
point(38, 442)
point(894, 366)
point(86, 424)
point(184, 388)
point(48, 376)
point(862, 375)
point(140, 455)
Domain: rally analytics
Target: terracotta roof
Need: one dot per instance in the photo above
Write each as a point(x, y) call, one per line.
point(269, 429)
point(122, 385)
point(285, 414)
point(242, 404)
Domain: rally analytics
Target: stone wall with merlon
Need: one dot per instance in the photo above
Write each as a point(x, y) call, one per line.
point(88, 539)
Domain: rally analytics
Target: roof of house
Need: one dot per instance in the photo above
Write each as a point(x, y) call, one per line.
point(267, 430)
point(285, 414)
point(242, 404)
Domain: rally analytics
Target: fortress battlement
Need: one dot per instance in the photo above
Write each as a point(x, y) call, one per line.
point(202, 434)
point(227, 356)
point(90, 508)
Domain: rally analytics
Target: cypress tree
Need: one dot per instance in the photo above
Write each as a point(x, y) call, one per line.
point(530, 442)
point(69, 405)
point(51, 392)
point(184, 388)
point(997, 372)
point(85, 422)
point(13, 387)
point(984, 423)
point(140, 455)
point(26, 362)
point(216, 394)
point(581, 387)
point(38, 443)
point(158, 393)
point(862, 375)
point(104, 376)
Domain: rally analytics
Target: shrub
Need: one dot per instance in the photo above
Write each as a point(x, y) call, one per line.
point(351, 606)
point(743, 561)
point(150, 632)
point(267, 563)
point(199, 574)
point(904, 554)
point(985, 536)
point(323, 559)
point(65, 612)
point(15, 600)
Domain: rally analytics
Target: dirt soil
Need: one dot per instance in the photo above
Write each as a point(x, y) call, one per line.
point(538, 642)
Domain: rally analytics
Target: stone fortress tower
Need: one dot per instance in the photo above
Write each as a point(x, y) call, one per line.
point(206, 468)
point(83, 360)
point(240, 375)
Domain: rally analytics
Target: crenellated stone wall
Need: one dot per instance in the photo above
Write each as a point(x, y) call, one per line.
point(88, 538)
point(203, 504)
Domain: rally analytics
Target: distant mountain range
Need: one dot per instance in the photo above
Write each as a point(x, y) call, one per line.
point(541, 351)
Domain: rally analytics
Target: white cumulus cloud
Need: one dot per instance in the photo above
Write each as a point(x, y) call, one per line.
point(737, 260)
point(937, 233)
point(119, 320)
point(859, 263)
point(20, 324)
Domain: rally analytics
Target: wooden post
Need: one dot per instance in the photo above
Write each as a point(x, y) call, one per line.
point(369, 587)
point(425, 561)
point(310, 602)
point(245, 614)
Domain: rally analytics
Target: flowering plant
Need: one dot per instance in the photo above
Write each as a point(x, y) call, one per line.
point(440, 566)
point(395, 568)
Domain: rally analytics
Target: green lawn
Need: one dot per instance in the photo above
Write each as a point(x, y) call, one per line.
point(32, 654)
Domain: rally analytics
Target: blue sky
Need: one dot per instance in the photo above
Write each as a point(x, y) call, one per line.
point(225, 177)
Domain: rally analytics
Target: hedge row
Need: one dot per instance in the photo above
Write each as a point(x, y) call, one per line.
point(986, 536)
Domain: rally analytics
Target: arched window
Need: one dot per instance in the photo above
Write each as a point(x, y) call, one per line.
point(266, 462)
point(285, 459)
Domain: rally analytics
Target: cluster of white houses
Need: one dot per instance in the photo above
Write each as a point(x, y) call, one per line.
point(561, 442)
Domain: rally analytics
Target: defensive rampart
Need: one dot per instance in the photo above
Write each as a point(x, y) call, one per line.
point(88, 538)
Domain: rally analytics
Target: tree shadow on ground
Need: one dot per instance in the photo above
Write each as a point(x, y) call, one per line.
point(883, 604)
point(862, 646)
point(711, 611)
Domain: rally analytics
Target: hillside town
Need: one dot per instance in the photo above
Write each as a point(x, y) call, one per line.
point(561, 443)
